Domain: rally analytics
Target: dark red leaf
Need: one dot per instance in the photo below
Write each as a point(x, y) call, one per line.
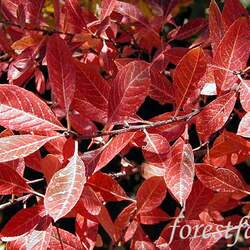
point(61, 71)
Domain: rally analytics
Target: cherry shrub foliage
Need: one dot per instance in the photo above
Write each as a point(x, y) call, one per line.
point(74, 82)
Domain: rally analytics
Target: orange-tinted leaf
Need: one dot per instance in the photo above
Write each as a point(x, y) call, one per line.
point(215, 25)
point(187, 75)
point(65, 188)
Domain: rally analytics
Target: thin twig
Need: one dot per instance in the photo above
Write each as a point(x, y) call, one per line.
point(135, 128)
point(10, 203)
point(35, 181)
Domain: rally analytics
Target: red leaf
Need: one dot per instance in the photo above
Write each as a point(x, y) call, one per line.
point(189, 29)
point(86, 230)
point(215, 25)
point(155, 216)
point(91, 201)
point(19, 146)
point(109, 189)
point(107, 7)
point(187, 75)
point(219, 179)
point(39, 239)
point(198, 200)
point(124, 218)
point(91, 86)
point(156, 149)
point(82, 125)
point(112, 148)
point(65, 188)
point(214, 115)
point(22, 223)
point(245, 95)
point(130, 10)
point(11, 182)
point(244, 126)
point(179, 175)
point(232, 53)
point(22, 110)
point(74, 15)
point(161, 89)
point(150, 194)
point(130, 87)
point(61, 239)
point(61, 71)
point(50, 164)
point(232, 10)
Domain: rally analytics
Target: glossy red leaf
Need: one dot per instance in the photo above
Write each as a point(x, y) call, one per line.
point(130, 88)
point(141, 245)
point(22, 223)
point(216, 31)
point(232, 54)
point(22, 110)
point(61, 71)
point(91, 201)
point(65, 188)
point(244, 126)
point(219, 179)
point(109, 188)
point(11, 182)
point(157, 148)
point(232, 11)
point(179, 175)
point(19, 146)
point(214, 115)
point(187, 75)
point(150, 194)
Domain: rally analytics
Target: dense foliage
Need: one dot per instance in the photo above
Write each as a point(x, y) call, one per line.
point(121, 118)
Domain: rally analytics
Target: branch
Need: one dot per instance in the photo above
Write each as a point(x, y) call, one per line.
point(136, 128)
point(10, 203)
point(44, 30)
